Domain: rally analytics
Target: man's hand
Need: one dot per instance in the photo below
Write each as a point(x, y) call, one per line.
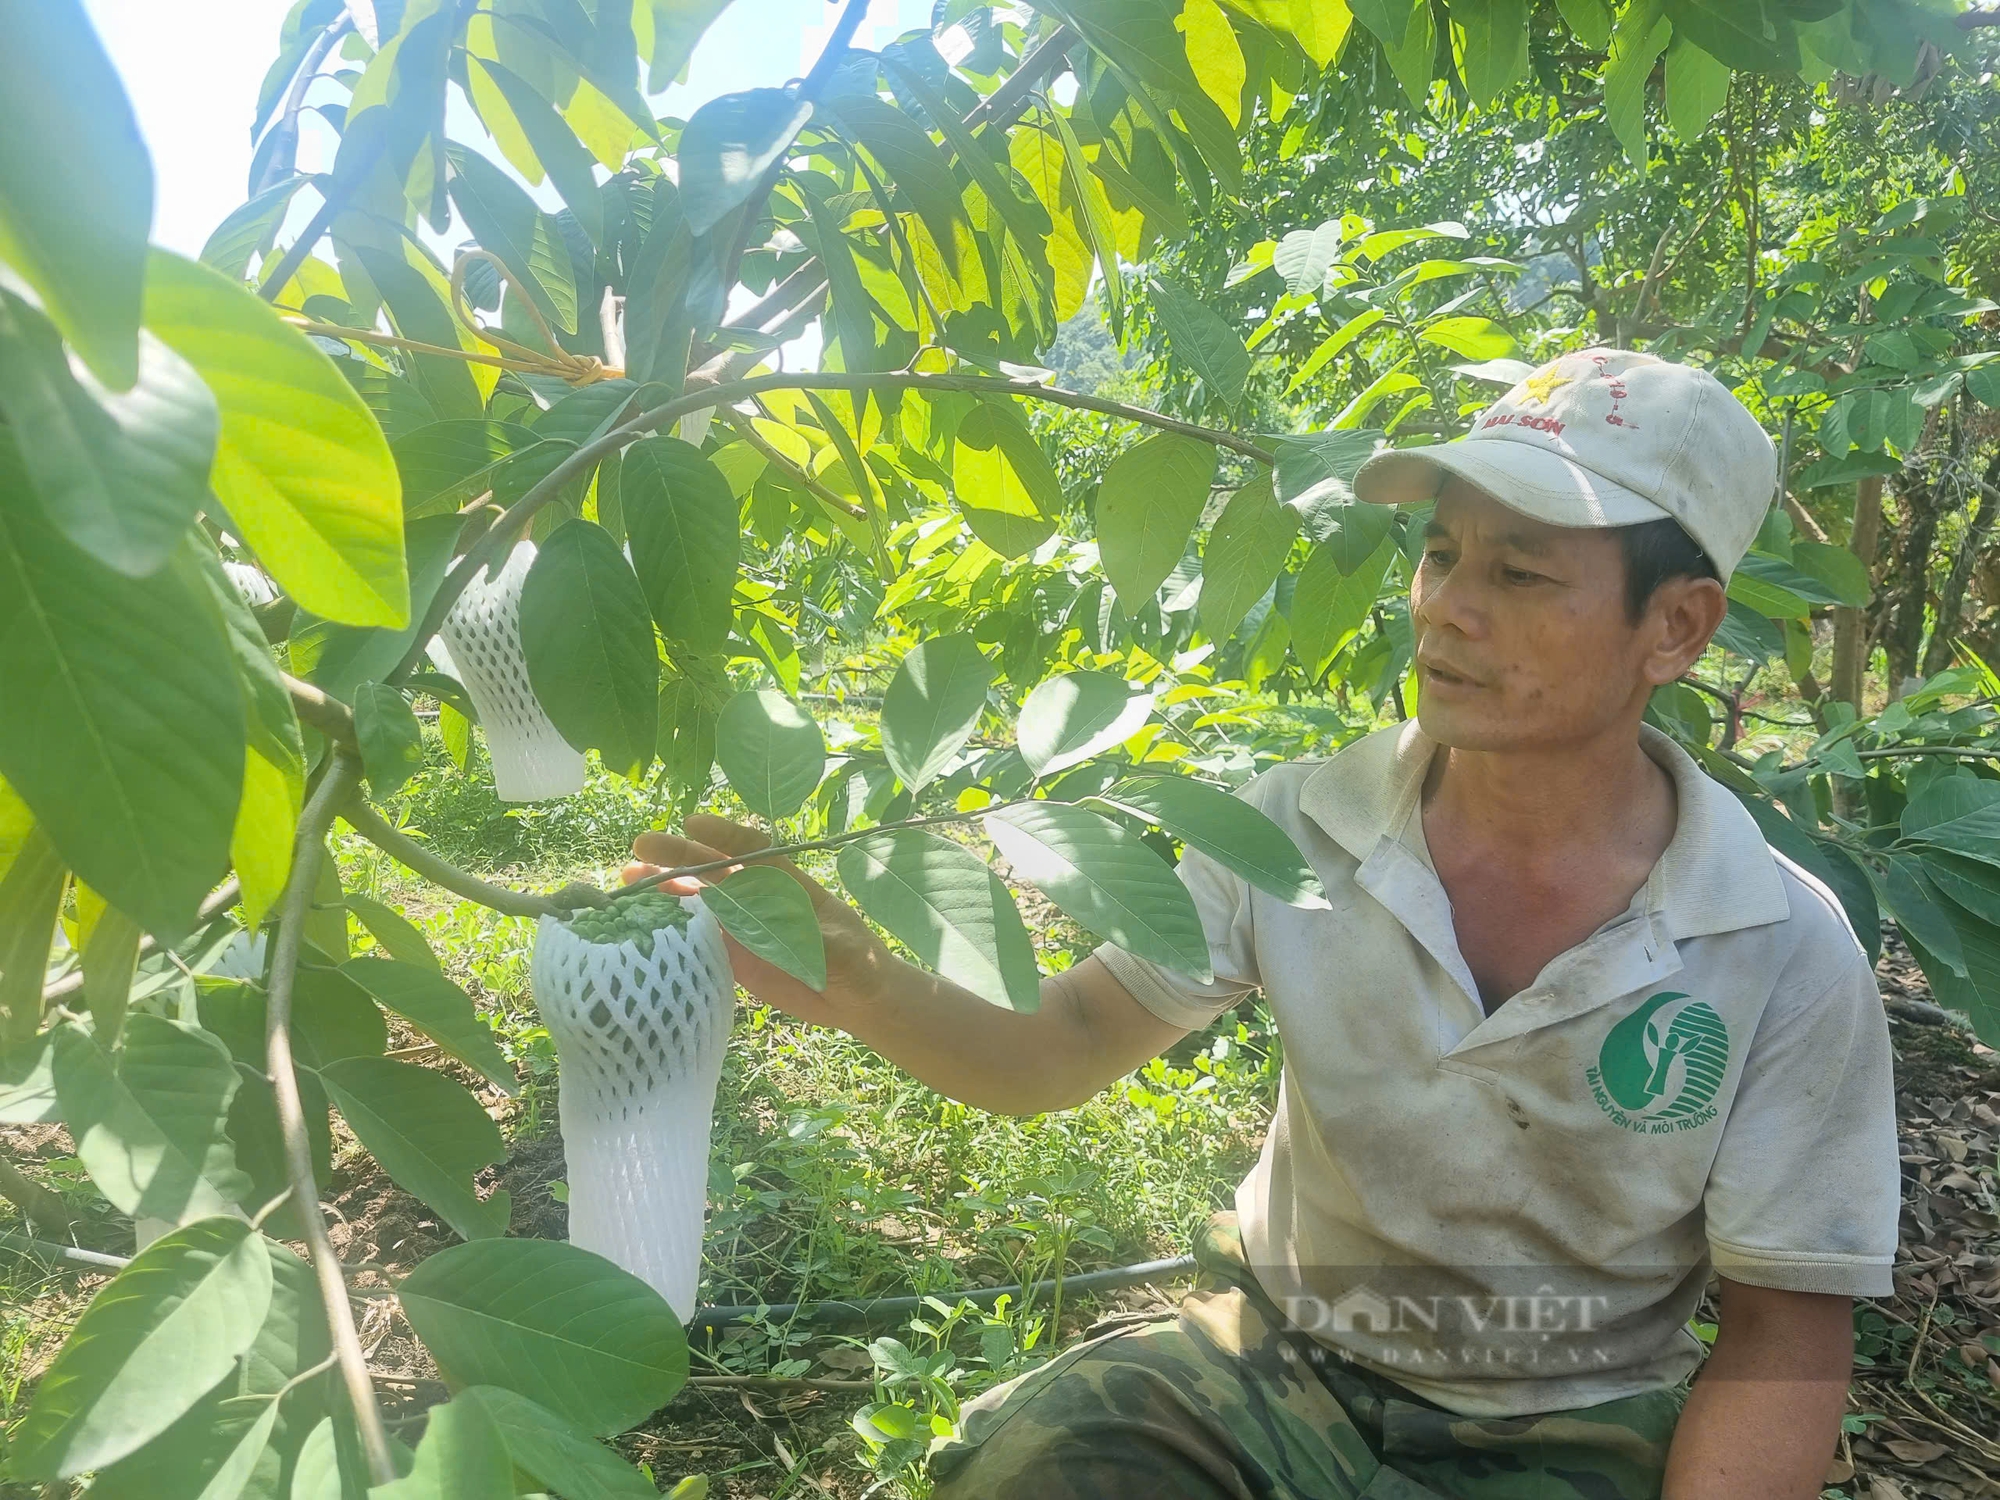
point(857, 964)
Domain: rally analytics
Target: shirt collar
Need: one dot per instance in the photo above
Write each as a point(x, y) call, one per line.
point(1716, 875)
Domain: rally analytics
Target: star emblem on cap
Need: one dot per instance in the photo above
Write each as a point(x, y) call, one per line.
point(1543, 383)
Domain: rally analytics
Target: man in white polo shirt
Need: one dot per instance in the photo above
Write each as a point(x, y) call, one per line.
point(1566, 1037)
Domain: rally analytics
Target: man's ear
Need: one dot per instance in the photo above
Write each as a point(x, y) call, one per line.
point(1680, 617)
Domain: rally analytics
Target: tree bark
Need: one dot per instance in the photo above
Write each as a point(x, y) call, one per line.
point(1906, 595)
point(1850, 626)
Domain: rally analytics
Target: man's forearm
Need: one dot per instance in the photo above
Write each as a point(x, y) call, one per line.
point(983, 1055)
point(1764, 1415)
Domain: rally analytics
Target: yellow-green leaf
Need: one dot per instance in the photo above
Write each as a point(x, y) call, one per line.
point(1214, 54)
point(301, 467)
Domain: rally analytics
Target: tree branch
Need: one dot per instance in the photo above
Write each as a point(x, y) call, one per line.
point(517, 515)
point(440, 871)
point(1004, 105)
point(307, 852)
point(284, 160)
point(317, 710)
point(42, 1209)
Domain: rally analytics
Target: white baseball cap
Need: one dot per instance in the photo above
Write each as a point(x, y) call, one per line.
point(1606, 437)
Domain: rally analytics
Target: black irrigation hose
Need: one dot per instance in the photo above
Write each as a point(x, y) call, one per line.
point(840, 1314)
point(851, 1313)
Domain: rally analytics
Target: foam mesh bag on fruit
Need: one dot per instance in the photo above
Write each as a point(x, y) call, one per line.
point(638, 998)
point(481, 640)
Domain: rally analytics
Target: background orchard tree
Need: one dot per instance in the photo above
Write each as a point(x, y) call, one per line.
point(239, 497)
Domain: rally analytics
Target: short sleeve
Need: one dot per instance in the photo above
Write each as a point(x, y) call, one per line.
point(1224, 902)
point(1806, 1188)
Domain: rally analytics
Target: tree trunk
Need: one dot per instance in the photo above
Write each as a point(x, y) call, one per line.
point(1850, 626)
point(1906, 596)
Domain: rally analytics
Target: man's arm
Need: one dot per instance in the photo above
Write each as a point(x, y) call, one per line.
point(1088, 1032)
point(1764, 1417)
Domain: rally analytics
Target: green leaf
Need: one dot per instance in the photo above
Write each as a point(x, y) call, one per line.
point(561, 1326)
point(27, 1070)
point(1748, 34)
point(394, 931)
point(463, 1456)
point(954, 913)
point(302, 467)
point(1697, 89)
point(1590, 20)
point(1923, 915)
point(1225, 828)
point(1102, 874)
point(1967, 883)
point(149, 1126)
point(729, 144)
point(667, 31)
point(76, 185)
point(1470, 338)
point(932, 705)
point(1496, 46)
point(1640, 38)
point(570, 165)
point(249, 229)
point(1303, 255)
point(436, 1007)
point(588, 640)
point(1409, 40)
point(1247, 548)
point(1328, 605)
point(1843, 575)
point(392, 744)
point(124, 727)
point(416, 303)
point(553, 1453)
point(1200, 339)
point(1095, 220)
point(1003, 481)
point(151, 1344)
point(1215, 56)
point(1312, 470)
point(769, 913)
point(30, 901)
point(1749, 634)
point(331, 1465)
point(771, 751)
point(427, 1133)
point(913, 161)
point(120, 475)
point(1075, 715)
point(1960, 813)
point(1147, 504)
point(234, 1442)
point(508, 225)
point(682, 523)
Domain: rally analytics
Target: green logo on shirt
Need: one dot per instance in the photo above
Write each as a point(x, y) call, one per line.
point(1659, 1068)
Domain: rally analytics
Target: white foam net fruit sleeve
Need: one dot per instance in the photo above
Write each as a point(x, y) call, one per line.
point(531, 760)
point(639, 1042)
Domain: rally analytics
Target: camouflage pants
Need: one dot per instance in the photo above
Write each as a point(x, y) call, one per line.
point(1219, 1402)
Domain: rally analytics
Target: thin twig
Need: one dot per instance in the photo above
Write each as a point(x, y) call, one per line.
point(309, 849)
point(438, 870)
point(785, 851)
point(757, 440)
point(321, 711)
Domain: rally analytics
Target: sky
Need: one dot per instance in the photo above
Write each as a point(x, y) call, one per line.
point(192, 72)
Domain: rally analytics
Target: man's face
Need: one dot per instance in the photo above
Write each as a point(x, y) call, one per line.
point(1522, 636)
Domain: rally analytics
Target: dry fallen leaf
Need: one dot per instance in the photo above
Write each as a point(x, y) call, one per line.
point(1914, 1451)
